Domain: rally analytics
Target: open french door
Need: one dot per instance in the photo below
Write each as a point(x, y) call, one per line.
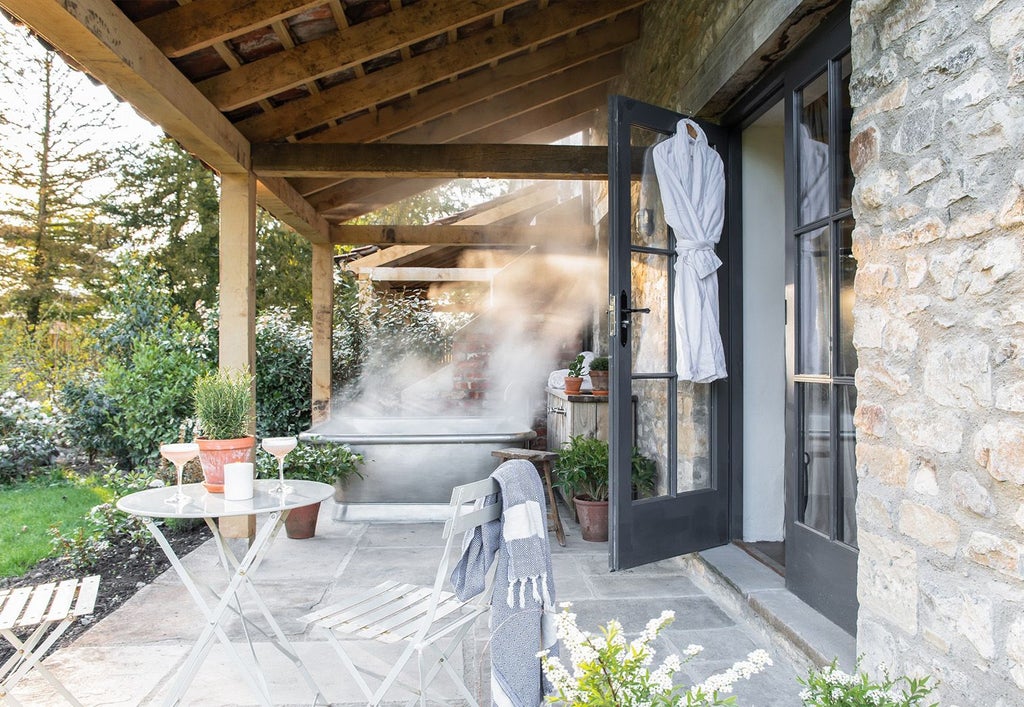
point(677, 424)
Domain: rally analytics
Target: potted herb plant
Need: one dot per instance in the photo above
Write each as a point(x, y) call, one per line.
point(574, 380)
point(599, 375)
point(313, 461)
point(224, 412)
point(582, 470)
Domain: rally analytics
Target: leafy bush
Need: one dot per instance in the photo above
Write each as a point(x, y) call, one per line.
point(27, 437)
point(313, 461)
point(150, 396)
point(831, 687)
point(284, 355)
point(86, 411)
point(582, 469)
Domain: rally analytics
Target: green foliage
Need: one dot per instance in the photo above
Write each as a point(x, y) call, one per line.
point(599, 363)
point(149, 397)
point(85, 411)
point(284, 263)
point(582, 469)
point(27, 437)
point(831, 687)
point(223, 404)
point(27, 510)
point(283, 374)
point(435, 204)
point(37, 363)
point(576, 367)
point(314, 461)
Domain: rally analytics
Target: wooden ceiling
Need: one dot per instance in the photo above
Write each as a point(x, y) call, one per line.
point(404, 72)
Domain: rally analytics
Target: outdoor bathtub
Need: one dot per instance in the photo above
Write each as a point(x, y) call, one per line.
point(416, 460)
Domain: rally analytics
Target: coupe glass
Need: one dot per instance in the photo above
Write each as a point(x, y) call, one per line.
point(279, 447)
point(179, 454)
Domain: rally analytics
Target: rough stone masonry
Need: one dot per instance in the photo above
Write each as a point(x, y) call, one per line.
point(938, 125)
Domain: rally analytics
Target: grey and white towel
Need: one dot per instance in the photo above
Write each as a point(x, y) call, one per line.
point(522, 602)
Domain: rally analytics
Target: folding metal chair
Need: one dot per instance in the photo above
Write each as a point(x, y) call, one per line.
point(44, 606)
point(431, 622)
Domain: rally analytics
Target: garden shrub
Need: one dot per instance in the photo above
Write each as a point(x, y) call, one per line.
point(86, 410)
point(284, 354)
point(27, 437)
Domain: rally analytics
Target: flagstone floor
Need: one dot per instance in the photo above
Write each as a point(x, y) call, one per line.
point(132, 656)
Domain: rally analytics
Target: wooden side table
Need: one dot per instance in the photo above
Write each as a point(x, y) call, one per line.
point(542, 460)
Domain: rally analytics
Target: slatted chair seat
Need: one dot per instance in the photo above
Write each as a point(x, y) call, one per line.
point(51, 608)
point(431, 622)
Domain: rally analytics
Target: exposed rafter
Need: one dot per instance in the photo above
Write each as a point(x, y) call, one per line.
point(432, 274)
point(457, 234)
point(340, 51)
point(429, 68)
point(431, 161)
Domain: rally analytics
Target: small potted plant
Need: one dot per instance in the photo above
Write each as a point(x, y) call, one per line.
point(313, 461)
point(574, 380)
point(582, 470)
point(599, 375)
point(224, 412)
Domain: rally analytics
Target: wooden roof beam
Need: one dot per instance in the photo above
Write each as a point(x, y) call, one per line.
point(483, 85)
point(429, 161)
point(331, 194)
point(431, 274)
point(343, 50)
point(104, 42)
point(428, 68)
point(188, 28)
point(457, 234)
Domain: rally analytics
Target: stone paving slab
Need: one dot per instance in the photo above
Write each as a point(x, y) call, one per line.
point(131, 656)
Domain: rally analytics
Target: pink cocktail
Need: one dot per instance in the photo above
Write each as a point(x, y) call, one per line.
point(179, 454)
point(279, 447)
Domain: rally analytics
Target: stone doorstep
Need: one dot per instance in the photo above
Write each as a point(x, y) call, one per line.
point(739, 581)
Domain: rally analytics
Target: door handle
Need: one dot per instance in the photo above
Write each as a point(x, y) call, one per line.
point(625, 312)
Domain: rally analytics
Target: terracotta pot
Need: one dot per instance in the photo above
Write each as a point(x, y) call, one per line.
point(572, 385)
point(215, 453)
point(301, 522)
point(599, 381)
point(593, 517)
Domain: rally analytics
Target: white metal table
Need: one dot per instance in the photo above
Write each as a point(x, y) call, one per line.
point(152, 504)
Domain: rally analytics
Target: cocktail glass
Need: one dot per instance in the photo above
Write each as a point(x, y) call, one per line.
point(279, 447)
point(179, 454)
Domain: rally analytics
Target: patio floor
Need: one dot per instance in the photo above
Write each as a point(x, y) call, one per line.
point(132, 656)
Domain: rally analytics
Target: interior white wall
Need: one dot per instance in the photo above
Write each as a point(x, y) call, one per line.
point(764, 343)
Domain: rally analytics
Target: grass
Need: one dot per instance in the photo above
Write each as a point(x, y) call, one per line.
point(28, 509)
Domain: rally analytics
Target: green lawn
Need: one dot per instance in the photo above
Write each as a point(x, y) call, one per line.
point(27, 510)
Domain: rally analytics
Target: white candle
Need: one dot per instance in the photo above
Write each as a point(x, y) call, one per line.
point(238, 481)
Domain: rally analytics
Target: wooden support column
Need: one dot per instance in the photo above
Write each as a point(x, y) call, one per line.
point(238, 298)
point(323, 325)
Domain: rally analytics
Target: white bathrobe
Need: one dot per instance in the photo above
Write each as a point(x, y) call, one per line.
point(692, 183)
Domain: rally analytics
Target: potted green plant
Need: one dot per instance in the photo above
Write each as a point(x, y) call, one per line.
point(574, 380)
point(582, 471)
point(313, 460)
point(224, 412)
point(599, 375)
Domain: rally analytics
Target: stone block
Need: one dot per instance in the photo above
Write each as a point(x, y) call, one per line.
point(872, 513)
point(970, 92)
point(877, 187)
point(970, 495)
point(907, 15)
point(894, 98)
point(949, 271)
point(864, 149)
point(1007, 26)
point(916, 268)
point(1015, 651)
point(925, 481)
point(887, 580)
point(995, 128)
point(929, 527)
point(1010, 397)
point(1018, 517)
point(1016, 65)
point(886, 373)
point(1011, 215)
point(975, 624)
point(916, 130)
point(994, 552)
point(916, 234)
point(923, 171)
point(926, 426)
point(999, 448)
point(956, 62)
point(871, 419)
point(959, 374)
point(973, 223)
point(889, 465)
point(995, 260)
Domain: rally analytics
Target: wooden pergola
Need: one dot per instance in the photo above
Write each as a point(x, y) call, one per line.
point(323, 110)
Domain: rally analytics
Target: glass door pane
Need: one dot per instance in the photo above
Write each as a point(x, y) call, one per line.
point(847, 360)
point(813, 151)
point(815, 457)
point(814, 309)
point(847, 530)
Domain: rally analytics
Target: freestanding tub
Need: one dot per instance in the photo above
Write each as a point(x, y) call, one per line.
point(417, 460)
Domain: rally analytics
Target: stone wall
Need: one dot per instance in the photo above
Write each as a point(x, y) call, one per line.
point(938, 90)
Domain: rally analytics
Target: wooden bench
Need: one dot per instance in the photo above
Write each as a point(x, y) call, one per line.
point(44, 606)
point(542, 460)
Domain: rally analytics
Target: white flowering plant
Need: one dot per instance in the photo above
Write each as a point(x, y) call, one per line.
point(831, 687)
point(609, 671)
